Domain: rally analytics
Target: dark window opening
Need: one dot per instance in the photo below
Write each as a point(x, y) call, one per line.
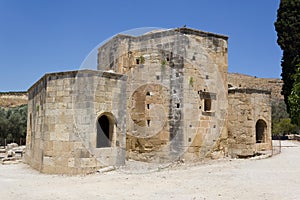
point(157, 77)
point(137, 61)
point(207, 76)
point(148, 93)
point(178, 105)
point(103, 132)
point(148, 106)
point(207, 104)
point(260, 129)
point(31, 131)
point(148, 122)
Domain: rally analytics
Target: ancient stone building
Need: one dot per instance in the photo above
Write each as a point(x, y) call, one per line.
point(158, 97)
point(249, 120)
point(65, 112)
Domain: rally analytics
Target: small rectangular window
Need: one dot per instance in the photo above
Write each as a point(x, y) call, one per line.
point(148, 122)
point(207, 105)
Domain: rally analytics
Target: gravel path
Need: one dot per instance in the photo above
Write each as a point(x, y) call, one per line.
point(273, 178)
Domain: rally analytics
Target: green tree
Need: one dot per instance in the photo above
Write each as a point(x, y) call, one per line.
point(283, 127)
point(288, 33)
point(278, 110)
point(3, 126)
point(13, 123)
point(294, 98)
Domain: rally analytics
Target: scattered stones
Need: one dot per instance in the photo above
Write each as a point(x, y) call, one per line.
point(12, 154)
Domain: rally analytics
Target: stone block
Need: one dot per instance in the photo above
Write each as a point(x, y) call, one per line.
point(48, 161)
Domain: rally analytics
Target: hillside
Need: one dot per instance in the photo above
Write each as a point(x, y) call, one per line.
point(12, 99)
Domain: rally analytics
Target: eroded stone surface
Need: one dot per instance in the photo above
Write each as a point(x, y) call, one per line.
point(166, 99)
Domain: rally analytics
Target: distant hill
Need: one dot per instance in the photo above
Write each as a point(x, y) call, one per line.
point(12, 99)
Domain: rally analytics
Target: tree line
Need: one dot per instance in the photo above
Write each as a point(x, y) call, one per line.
point(281, 122)
point(287, 27)
point(13, 125)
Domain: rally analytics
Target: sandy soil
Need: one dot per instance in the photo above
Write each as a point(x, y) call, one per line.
point(273, 178)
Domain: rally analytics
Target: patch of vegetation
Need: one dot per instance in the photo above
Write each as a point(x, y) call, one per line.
point(281, 123)
point(142, 59)
point(191, 81)
point(13, 124)
point(294, 98)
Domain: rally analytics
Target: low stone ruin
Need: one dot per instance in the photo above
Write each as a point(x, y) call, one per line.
point(11, 154)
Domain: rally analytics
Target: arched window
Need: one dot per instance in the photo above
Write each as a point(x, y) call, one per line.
point(261, 130)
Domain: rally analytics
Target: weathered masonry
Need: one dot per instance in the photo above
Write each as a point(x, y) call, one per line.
point(249, 122)
point(176, 93)
point(76, 122)
point(158, 97)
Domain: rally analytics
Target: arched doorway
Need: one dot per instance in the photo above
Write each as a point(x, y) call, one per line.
point(261, 130)
point(105, 130)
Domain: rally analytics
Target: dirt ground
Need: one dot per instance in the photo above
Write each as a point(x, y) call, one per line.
point(272, 178)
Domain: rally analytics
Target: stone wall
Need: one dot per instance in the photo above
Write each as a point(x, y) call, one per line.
point(64, 111)
point(245, 81)
point(248, 109)
point(171, 74)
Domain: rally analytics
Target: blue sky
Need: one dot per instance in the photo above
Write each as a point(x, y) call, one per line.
point(42, 36)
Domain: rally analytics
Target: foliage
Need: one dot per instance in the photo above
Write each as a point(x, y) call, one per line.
point(283, 127)
point(288, 33)
point(278, 110)
point(191, 81)
point(142, 59)
point(281, 123)
point(13, 123)
point(163, 62)
point(294, 98)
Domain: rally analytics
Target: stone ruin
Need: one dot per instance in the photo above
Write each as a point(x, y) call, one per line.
point(11, 153)
point(159, 97)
